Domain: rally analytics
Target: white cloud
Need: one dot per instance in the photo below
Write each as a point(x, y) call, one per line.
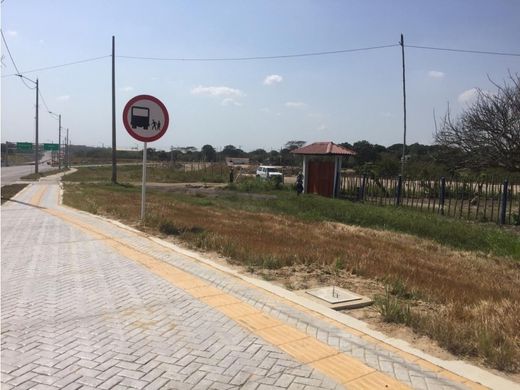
point(295, 105)
point(468, 96)
point(128, 88)
point(435, 74)
point(386, 114)
point(63, 97)
point(266, 110)
point(273, 79)
point(220, 91)
point(230, 102)
point(322, 127)
point(12, 33)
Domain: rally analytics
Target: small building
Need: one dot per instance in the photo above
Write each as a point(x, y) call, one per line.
point(322, 167)
point(237, 162)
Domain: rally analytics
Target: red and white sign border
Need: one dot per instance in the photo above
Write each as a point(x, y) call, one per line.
point(129, 127)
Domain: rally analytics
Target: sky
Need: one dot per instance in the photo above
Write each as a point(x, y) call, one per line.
point(344, 97)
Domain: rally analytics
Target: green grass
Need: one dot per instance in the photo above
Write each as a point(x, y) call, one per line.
point(10, 190)
point(458, 234)
point(133, 173)
point(455, 233)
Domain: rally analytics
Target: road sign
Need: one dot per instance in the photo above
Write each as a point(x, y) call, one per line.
point(24, 145)
point(145, 118)
point(51, 147)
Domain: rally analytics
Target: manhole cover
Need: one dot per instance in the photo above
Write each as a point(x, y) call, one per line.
point(333, 294)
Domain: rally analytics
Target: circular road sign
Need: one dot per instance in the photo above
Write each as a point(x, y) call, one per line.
point(145, 118)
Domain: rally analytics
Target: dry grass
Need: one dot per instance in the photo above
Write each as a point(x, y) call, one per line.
point(478, 296)
point(10, 190)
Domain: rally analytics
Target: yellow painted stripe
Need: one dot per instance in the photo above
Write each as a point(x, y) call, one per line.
point(343, 367)
point(37, 197)
point(297, 344)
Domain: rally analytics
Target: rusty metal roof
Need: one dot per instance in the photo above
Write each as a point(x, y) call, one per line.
point(324, 148)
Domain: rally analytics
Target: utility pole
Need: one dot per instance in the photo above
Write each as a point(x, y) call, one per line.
point(114, 166)
point(37, 147)
point(404, 109)
point(59, 142)
point(67, 151)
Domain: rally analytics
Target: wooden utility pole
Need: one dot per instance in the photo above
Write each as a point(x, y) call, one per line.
point(114, 162)
point(59, 142)
point(404, 109)
point(36, 151)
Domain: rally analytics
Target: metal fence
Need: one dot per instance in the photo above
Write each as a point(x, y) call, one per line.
point(485, 201)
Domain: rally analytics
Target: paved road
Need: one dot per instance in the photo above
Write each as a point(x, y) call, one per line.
point(87, 303)
point(12, 174)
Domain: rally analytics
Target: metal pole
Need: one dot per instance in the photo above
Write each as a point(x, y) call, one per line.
point(143, 186)
point(36, 149)
point(59, 142)
point(67, 150)
point(404, 109)
point(114, 166)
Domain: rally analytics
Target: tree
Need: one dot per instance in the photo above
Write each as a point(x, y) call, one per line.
point(209, 153)
point(232, 151)
point(291, 145)
point(366, 152)
point(487, 132)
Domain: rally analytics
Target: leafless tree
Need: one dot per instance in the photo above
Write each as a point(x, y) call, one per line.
point(488, 131)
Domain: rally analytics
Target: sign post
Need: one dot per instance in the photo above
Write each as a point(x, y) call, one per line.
point(146, 119)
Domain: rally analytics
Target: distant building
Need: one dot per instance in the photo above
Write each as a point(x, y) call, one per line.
point(322, 167)
point(237, 162)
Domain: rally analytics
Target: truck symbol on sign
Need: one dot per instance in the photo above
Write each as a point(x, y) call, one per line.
point(140, 117)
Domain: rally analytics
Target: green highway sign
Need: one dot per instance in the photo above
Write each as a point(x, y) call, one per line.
point(51, 147)
point(24, 145)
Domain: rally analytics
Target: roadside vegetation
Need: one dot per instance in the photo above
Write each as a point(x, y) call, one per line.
point(10, 190)
point(467, 300)
point(159, 174)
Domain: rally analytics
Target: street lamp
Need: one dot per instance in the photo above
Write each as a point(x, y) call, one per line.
point(59, 137)
point(37, 146)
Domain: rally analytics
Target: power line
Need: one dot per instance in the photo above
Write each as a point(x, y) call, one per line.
point(58, 66)
point(12, 60)
point(321, 53)
point(43, 100)
point(494, 53)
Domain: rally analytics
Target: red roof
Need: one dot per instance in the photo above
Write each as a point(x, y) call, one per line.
point(324, 148)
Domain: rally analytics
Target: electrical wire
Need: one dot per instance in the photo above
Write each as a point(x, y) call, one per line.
point(58, 66)
point(321, 53)
point(495, 53)
point(12, 60)
point(43, 100)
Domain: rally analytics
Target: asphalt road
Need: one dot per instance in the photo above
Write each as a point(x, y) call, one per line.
point(12, 174)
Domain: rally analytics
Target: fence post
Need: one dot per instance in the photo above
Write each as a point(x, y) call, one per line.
point(362, 188)
point(503, 203)
point(398, 190)
point(442, 195)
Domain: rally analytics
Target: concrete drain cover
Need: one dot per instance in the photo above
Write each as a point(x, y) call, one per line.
point(334, 295)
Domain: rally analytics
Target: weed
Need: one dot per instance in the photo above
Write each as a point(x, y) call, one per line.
point(392, 309)
point(339, 264)
point(400, 290)
point(271, 263)
point(168, 227)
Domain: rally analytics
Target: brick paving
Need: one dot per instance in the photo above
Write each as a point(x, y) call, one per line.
point(78, 314)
